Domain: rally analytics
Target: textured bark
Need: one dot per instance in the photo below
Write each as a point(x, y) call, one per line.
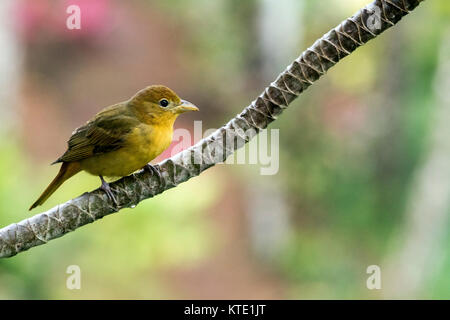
point(130, 190)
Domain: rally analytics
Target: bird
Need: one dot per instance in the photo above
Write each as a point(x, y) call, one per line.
point(121, 138)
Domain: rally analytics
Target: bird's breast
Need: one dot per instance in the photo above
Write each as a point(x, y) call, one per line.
point(148, 141)
point(143, 144)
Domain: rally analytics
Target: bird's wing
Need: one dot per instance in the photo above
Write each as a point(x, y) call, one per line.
point(101, 135)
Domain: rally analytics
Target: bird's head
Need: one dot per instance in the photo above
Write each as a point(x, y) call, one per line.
point(158, 102)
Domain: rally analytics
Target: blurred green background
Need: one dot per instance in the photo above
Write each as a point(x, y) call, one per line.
point(364, 174)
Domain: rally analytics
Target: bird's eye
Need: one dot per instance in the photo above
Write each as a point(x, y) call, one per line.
point(163, 103)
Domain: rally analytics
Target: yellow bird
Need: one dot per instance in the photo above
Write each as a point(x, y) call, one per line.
point(121, 138)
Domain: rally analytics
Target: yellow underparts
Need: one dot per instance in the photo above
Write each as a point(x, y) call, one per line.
point(143, 144)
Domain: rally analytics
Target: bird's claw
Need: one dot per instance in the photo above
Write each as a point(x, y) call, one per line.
point(154, 169)
point(107, 189)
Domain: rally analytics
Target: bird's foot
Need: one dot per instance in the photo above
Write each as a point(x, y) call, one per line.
point(107, 189)
point(154, 169)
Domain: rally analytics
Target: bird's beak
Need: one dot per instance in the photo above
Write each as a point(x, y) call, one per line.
point(185, 106)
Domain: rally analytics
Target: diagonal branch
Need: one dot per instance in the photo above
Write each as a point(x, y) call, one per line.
point(129, 191)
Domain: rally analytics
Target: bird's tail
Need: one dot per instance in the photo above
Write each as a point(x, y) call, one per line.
point(67, 170)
